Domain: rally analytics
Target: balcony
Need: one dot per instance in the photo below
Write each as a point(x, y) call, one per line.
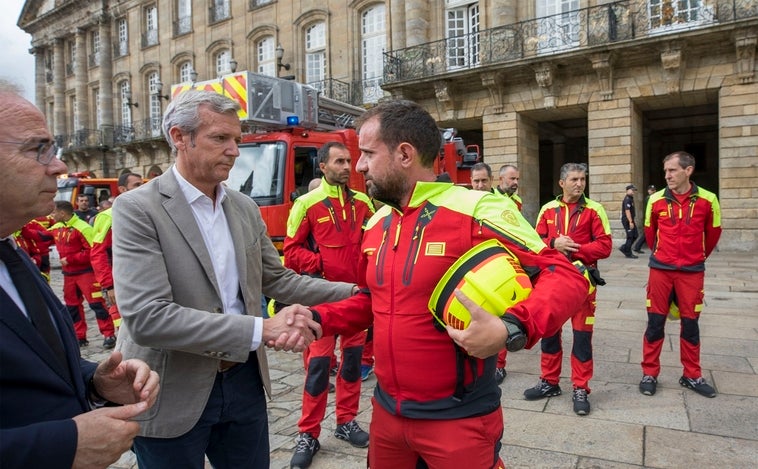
point(150, 38)
point(219, 12)
point(579, 30)
point(94, 59)
point(120, 49)
point(69, 70)
point(259, 3)
point(334, 89)
point(183, 26)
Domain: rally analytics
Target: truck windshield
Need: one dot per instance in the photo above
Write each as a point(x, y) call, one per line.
point(259, 172)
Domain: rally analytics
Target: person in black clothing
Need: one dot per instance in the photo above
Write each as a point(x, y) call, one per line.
point(637, 247)
point(84, 211)
point(627, 221)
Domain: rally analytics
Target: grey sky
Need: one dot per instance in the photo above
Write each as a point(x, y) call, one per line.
point(16, 63)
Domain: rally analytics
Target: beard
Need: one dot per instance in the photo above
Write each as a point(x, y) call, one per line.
point(390, 190)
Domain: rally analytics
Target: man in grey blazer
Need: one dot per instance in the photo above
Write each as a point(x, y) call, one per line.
point(191, 260)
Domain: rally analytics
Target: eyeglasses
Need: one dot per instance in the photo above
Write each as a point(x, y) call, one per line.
point(45, 150)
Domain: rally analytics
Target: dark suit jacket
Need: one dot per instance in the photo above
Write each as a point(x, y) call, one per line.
point(38, 397)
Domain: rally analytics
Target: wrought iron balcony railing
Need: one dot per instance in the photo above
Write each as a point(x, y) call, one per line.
point(219, 12)
point(183, 26)
point(259, 3)
point(120, 49)
point(587, 27)
point(94, 59)
point(150, 38)
point(334, 89)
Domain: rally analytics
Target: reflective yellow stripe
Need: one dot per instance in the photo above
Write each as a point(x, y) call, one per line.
point(699, 308)
point(589, 321)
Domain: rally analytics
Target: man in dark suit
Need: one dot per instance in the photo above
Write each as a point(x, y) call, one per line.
point(53, 411)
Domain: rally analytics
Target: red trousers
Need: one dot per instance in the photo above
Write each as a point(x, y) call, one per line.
point(582, 365)
point(398, 442)
point(78, 287)
point(317, 359)
point(501, 357)
point(688, 288)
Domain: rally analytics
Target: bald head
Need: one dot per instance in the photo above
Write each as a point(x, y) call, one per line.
point(27, 187)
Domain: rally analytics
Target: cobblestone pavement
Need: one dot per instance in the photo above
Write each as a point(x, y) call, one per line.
point(674, 428)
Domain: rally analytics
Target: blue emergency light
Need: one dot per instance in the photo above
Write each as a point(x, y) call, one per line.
point(293, 120)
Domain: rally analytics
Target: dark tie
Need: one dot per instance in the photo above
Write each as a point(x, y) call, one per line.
point(26, 285)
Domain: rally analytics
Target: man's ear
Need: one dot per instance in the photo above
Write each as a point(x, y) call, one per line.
point(407, 154)
point(176, 136)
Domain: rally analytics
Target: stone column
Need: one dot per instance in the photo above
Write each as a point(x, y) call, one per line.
point(59, 89)
point(106, 72)
point(40, 82)
point(417, 22)
point(396, 15)
point(80, 71)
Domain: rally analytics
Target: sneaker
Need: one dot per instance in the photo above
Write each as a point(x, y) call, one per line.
point(648, 385)
point(305, 448)
point(581, 403)
point(333, 370)
point(543, 389)
point(83, 342)
point(331, 387)
point(639, 251)
point(698, 385)
point(500, 374)
point(109, 342)
point(366, 371)
point(352, 433)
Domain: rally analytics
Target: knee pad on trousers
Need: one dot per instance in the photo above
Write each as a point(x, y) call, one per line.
point(351, 364)
point(100, 311)
point(655, 327)
point(317, 379)
point(582, 348)
point(690, 331)
point(552, 344)
point(74, 312)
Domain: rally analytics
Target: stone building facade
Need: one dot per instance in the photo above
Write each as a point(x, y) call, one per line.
point(536, 83)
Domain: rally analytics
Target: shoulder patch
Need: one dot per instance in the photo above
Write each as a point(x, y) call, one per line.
point(436, 248)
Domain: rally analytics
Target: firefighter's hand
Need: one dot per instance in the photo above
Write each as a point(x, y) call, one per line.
point(126, 382)
point(64, 261)
point(103, 435)
point(485, 335)
point(111, 296)
point(565, 245)
point(292, 329)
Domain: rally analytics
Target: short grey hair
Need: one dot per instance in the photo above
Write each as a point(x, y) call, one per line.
point(505, 168)
point(570, 168)
point(182, 111)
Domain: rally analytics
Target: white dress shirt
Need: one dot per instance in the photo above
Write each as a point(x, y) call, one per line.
point(211, 220)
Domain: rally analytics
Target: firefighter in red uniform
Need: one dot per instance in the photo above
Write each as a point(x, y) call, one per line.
point(577, 227)
point(436, 397)
point(37, 240)
point(73, 238)
point(682, 228)
point(101, 255)
point(324, 232)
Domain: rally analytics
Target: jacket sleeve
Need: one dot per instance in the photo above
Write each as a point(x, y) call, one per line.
point(602, 242)
point(51, 445)
point(712, 227)
point(651, 225)
point(101, 261)
point(542, 228)
point(558, 287)
point(298, 256)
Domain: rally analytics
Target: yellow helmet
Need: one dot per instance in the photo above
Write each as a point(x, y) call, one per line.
point(489, 275)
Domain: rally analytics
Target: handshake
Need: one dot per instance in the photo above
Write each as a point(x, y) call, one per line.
point(291, 329)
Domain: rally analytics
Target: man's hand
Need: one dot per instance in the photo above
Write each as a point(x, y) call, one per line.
point(485, 335)
point(565, 245)
point(292, 329)
point(103, 435)
point(111, 296)
point(126, 382)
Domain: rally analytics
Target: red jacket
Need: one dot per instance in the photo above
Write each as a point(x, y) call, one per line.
point(101, 255)
point(681, 237)
point(324, 232)
point(405, 252)
point(73, 242)
point(587, 225)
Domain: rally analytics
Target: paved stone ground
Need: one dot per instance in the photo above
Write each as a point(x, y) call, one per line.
point(674, 428)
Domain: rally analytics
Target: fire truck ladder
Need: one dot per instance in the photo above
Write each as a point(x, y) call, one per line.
point(333, 114)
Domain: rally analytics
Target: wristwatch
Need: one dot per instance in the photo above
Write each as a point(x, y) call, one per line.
point(516, 337)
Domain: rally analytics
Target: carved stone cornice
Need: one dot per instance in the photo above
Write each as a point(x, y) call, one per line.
point(545, 74)
point(495, 84)
point(672, 61)
point(443, 91)
point(745, 42)
point(602, 63)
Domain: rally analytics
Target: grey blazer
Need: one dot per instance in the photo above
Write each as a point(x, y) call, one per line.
point(169, 299)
